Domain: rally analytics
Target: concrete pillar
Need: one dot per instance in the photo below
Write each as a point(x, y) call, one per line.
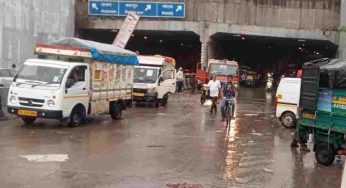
point(342, 31)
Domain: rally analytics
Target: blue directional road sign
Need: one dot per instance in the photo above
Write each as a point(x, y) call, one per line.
point(143, 9)
point(103, 8)
point(175, 10)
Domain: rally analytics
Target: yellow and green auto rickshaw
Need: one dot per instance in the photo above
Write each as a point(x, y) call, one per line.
point(322, 108)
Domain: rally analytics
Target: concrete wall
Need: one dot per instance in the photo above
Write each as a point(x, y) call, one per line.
point(23, 23)
point(299, 19)
point(290, 14)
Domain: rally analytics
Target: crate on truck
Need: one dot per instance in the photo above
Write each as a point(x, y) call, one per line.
point(73, 78)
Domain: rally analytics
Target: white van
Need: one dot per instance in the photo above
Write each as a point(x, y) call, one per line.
point(154, 79)
point(287, 100)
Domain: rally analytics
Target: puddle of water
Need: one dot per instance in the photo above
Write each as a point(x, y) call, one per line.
point(156, 146)
point(251, 115)
point(46, 158)
point(257, 134)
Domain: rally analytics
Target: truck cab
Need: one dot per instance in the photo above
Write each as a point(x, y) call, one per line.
point(49, 89)
point(154, 79)
point(221, 68)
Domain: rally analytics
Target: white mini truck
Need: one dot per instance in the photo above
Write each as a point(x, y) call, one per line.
point(154, 79)
point(73, 78)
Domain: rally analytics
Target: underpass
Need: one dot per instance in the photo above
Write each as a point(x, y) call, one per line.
point(269, 54)
point(183, 46)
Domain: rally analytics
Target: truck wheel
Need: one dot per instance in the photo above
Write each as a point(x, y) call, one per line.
point(288, 120)
point(29, 120)
point(324, 153)
point(116, 111)
point(76, 117)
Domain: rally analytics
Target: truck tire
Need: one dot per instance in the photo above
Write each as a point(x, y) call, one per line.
point(77, 117)
point(116, 111)
point(288, 120)
point(324, 153)
point(28, 120)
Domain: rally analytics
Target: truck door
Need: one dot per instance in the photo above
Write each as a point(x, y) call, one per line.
point(77, 89)
point(167, 82)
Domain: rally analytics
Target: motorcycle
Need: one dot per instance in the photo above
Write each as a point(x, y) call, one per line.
point(205, 94)
point(269, 85)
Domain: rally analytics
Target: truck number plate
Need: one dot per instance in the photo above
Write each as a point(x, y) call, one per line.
point(309, 116)
point(27, 113)
point(138, 94)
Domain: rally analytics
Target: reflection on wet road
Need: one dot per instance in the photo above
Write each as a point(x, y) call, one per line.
point(159, 147)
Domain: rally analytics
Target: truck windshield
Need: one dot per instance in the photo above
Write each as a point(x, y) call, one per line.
point(40, 75)
point(225, 70)
point(145, 75)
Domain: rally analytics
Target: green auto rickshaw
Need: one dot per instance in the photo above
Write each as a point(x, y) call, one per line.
point(322, 108)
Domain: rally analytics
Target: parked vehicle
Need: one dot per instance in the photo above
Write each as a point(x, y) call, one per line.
point(287, 100)
point(154, 80)
point(221, 68)
point(72, 79)
point(323, 108)
point(205, 93)
point(6, 77)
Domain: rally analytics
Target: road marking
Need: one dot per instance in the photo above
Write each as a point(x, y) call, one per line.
point(46, 158)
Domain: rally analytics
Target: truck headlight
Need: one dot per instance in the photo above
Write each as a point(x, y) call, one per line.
point(51, 103)
point(13, 99)
point(151, 90)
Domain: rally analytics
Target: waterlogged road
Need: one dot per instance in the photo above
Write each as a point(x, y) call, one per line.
point(163, 147)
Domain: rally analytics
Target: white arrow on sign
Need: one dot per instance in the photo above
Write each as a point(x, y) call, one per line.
point(94, 6)
point(148, 8)
point(179, 8)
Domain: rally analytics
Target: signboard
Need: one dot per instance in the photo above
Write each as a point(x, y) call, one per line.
point(142, 9)
point(339, 101)
point(126, 30)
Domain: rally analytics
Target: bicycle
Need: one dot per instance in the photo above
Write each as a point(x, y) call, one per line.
point(229, 111)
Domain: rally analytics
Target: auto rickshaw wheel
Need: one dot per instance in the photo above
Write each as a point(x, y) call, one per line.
point(288, 120)
point(324, 153)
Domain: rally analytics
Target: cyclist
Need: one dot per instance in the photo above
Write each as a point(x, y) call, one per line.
point(228, 92)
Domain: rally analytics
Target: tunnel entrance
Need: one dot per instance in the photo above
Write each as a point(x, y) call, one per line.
point(183, 46)
point(269, 54)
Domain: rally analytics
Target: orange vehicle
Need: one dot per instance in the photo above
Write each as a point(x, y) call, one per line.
point(221, 68)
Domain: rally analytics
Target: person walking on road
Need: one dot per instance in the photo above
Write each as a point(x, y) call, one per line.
point(180, 79)
point(193, 82)
point(214, 90)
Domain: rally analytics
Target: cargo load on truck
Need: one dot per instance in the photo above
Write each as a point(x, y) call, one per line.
point(73, 78)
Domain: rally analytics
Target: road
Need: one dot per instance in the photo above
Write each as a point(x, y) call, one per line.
point(163, 147)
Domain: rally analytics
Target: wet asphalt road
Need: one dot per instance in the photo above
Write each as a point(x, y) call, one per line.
point(159, 147)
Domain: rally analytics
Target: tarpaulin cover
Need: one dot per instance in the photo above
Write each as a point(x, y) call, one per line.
point(102, 52)
point(333, 72)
